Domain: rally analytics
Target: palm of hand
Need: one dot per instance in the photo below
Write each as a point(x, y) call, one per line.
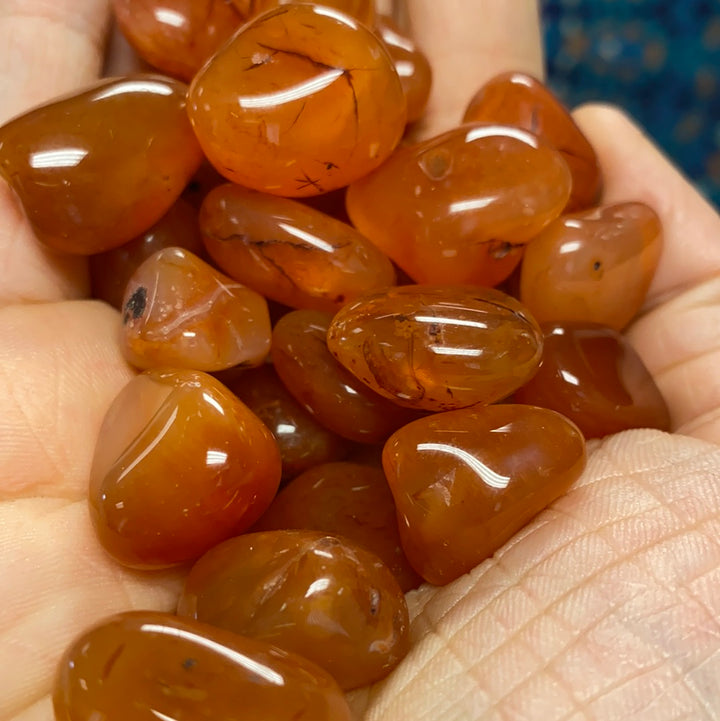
point(602, 607)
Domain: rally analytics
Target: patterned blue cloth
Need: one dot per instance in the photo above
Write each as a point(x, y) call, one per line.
point(658, 59)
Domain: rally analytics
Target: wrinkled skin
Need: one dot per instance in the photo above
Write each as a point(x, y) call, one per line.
point(605, 607)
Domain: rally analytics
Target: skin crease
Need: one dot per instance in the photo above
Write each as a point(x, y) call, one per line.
point(604, 608)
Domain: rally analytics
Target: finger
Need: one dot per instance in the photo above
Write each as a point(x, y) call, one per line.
point(47, 48)
point(467, 43)
point(59, 362)
point(634, 169)
point(604, 607)
point(680, 344)
point(678, 336)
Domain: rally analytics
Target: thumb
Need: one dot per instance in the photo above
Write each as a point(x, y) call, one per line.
point(46, 49)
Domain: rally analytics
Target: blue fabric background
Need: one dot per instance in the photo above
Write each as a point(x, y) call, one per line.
point(659, 59)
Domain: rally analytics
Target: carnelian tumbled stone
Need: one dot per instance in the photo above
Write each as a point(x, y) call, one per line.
point(411, 64)
point(110, 271)
point(302, 441)
point(57, 157)
point(179, 311)
point(180, 465)
point(177, 36)
point(333, 395)
point(521, 100)
point(465, 481)
point(593, 266)
point(145, 666)
point(437, 347)
point(459, 207)
point(363, 10)
point(290, 252)
point(351, 500)
point(302, 100)
point(319, 596)
point(592, 375)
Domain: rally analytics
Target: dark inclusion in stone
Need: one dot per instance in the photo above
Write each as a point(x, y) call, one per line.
point(135, 306)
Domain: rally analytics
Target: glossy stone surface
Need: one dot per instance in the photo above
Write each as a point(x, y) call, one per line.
point(593, 266)
point(110, 271)
point(179, 311)
point(592, 375)
point(302, 100)
point(351, 500)
point(363, 10)
point(145, 666)
point(180, 464)
point(466, 481)
point(437, 348)
point(288, 251)
point(302, 441)
point(458, 208)
point(324, 598)
point(521, 100)
point(177, 36)
point(57, 158)
point(411, 64)
point(333, 395)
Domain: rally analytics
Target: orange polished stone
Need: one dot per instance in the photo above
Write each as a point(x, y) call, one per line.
point(177, 36)
point(437, 348)
point(352, 500)
point(592, 375)
point(593, 266)
point(288, 251)
point(521, 100)
point(363, 10)
point(333, 395)
point(144, 666)
point(179, 311)
point(411, 64)
point(57, 159)
point(459, 207)
point(180, 465)
point(466, 481)
point(319, 596)
point(302, 100)
point(302, 441)
point(111, 271)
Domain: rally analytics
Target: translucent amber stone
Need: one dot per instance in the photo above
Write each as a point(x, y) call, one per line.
point(180, 465)
point(466, 481)
point(411, 64)
point(288, 251)
point(324, 598)
point(593, 266)
point(352, 500)
point(179, 311)
point(592, 375)
point(325, 388)
point(302, 441)
point(177, 36)
point(459, 207)
point(143, 666)
point(110, 271)
point(521, 100)
point(302, 100)
point(57, 158)
point(437, 347)
point(363, 10)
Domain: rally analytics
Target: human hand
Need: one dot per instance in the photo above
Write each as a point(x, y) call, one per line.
point(602, 607)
